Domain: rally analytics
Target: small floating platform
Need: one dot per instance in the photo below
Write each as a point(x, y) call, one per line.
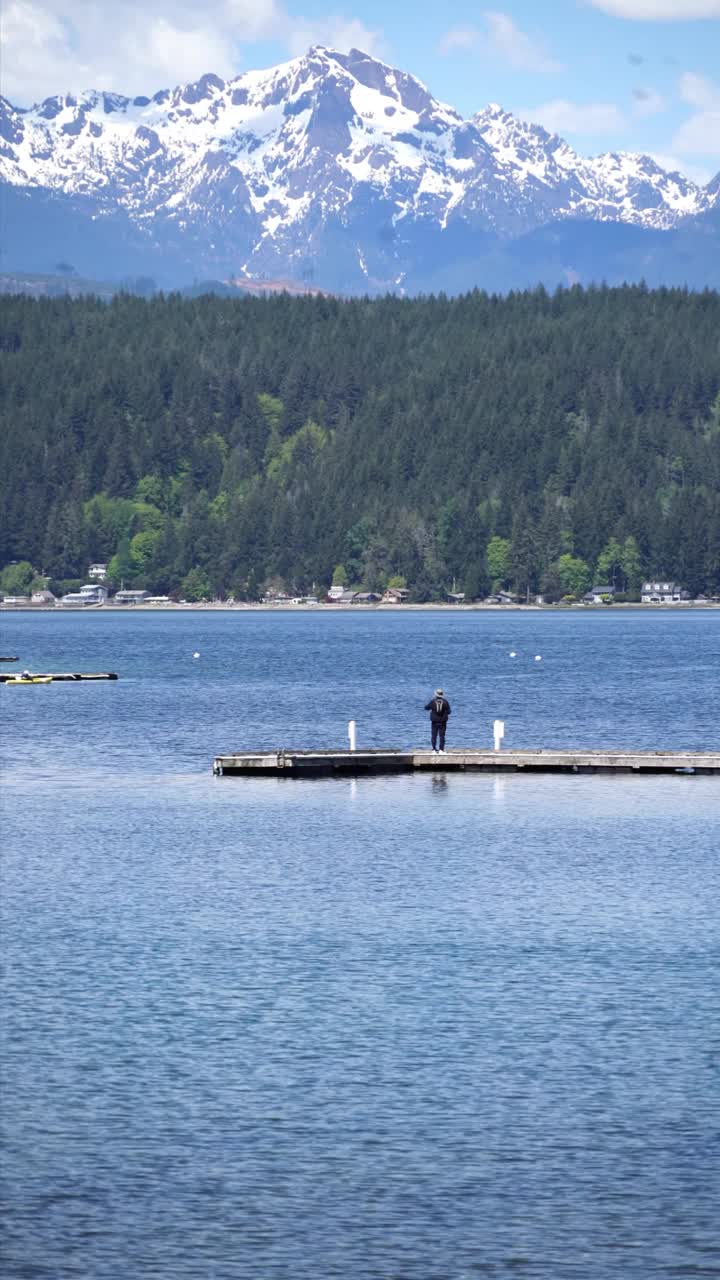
point(4, 657)
point(305, 764)
point(7, 676)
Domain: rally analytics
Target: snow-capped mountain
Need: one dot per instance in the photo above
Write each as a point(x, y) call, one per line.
point(615, 187)
point(332, 167)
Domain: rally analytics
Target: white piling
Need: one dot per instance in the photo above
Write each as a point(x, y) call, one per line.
point(498, 732)
point(351, 734)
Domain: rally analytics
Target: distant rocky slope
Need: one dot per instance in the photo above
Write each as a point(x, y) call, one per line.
point(341, 171)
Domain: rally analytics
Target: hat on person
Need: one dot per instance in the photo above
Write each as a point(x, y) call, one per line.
point(438, 693)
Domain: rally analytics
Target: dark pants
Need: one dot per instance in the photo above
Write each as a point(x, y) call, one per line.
point(437, 729)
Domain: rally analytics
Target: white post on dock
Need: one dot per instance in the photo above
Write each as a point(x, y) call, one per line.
point(498, 732)
point(351, 734)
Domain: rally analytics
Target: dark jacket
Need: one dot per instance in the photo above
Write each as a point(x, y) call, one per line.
point(439, 709)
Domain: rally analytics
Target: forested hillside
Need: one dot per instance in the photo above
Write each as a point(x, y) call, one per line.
point(212, 445)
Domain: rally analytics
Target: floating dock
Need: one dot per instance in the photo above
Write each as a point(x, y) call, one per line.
point(307, 764)
point(6, 676)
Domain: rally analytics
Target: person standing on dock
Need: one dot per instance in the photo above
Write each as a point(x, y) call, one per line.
point(439, 709)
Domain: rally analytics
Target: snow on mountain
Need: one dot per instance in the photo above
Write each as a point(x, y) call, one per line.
point(617, 186)
point(330, 163)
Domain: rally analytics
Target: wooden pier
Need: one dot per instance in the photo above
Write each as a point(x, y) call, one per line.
point(307, 764)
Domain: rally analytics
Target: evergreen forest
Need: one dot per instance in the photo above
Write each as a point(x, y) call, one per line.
point(212, 447)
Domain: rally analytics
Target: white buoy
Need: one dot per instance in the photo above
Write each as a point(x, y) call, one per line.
point(498, 732)
point(351, 734)
point(196, 654)
point(513, 654)
point(538, 657)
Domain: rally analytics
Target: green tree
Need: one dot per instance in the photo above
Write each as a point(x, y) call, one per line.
point(195, 586)
point(524, 554)
point(340, 431)
point(497, 558)
point(609, 563)
point(631, 564)
point(574, 575)
point(121, 568)
point(475, 581)
point(16, 579)
point(143, 550)
point(151, 489)
point(339, 578)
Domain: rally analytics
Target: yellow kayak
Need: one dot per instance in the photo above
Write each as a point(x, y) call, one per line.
point(30, 680)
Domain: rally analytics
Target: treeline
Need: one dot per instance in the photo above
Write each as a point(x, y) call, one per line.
point(215, 446)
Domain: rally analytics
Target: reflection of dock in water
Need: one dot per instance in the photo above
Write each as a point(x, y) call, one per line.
point(306, 764)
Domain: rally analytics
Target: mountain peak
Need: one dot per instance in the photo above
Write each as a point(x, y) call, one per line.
point(492, 111)
point(257, 175)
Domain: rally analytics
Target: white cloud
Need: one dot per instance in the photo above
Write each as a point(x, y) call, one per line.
point(139, 46)
point(673, 164)
point(502, 39)
point(459, 38)
point(33, 42)
point(158, 49)
point(659, 10)
point(699, 91)
point(334, 31)
point(29, 22)
point(699, 135)
point(517, 48)
point(255, 19)
point(563, 117)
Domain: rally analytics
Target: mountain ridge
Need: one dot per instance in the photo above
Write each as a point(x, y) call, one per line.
point(333, 169)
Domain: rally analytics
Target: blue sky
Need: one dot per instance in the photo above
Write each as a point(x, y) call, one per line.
point(632, 75)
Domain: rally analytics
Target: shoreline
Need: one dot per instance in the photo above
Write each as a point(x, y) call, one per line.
point(222, 606)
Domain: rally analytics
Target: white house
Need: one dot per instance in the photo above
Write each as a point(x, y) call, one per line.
point(395, 595)
point(91, 593)
point(663, 592)
point(130, 597)
point(98, 572)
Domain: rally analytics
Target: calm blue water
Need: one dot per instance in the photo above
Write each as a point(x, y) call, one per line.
point(418, 1028)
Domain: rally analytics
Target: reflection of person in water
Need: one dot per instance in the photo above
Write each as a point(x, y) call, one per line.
point(439, 709)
